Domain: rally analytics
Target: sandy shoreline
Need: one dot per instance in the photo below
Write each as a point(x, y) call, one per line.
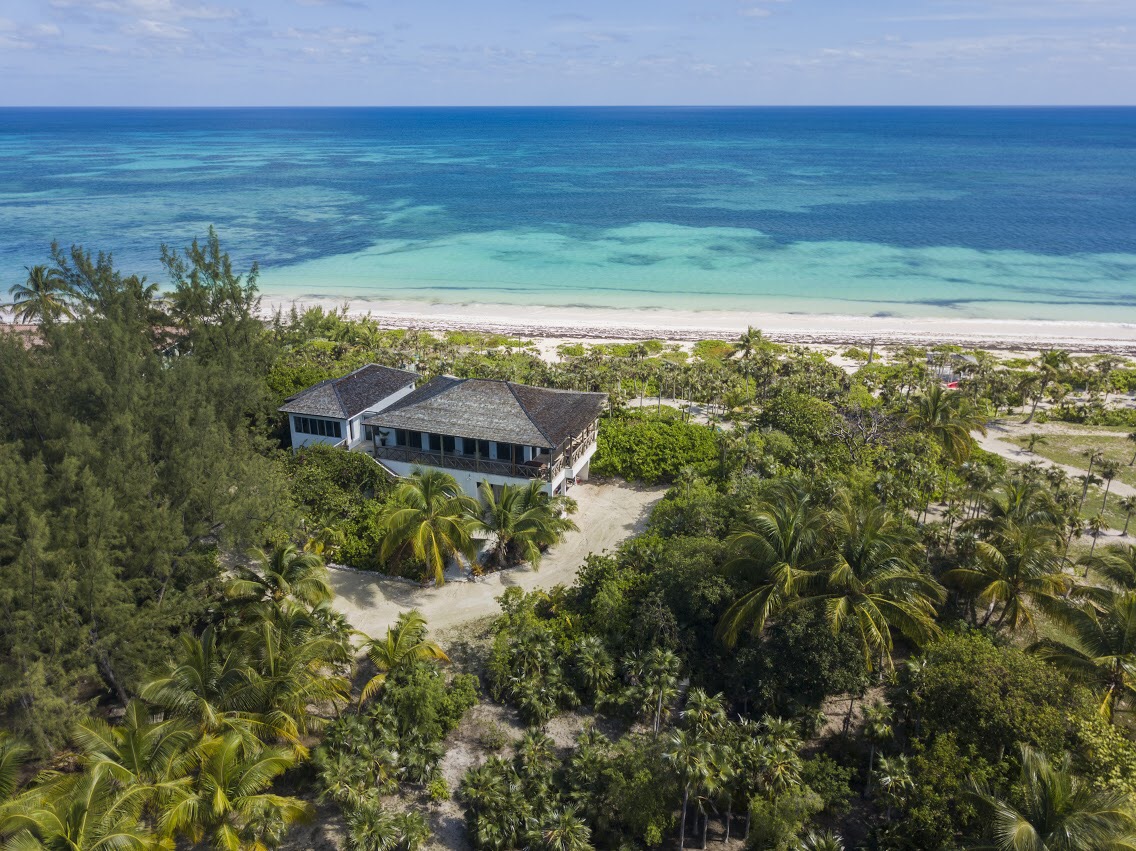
point(646, 323)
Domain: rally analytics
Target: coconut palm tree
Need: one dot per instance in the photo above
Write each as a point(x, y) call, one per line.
point(872, 583)
point(1132, 437)
point(228, 805)
point(1098, 646)
point(286, 573)
point(523, 521)
point(1096, 524)
point(1048, 365)
point(1127, 504)
point(404, 643)
point(148, 761)
point(1016, 500)
point(949, 418)
point(14, 755)
point(213, 688)
point(43, 297)
point(778, 551)
point(1109, 470)
point(822, 841)
point(1054, 810)
point(430, 518)
point(297, 666)
point(80, 812)
point(1019, 569)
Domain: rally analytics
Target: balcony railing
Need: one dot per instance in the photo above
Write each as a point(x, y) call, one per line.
point(538, 468)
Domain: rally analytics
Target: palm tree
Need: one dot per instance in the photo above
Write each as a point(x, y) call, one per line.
point(43, 297)
point(430, 518)
point(565, 831)
point(1109, 470)
point(1033, 440)
point(878, 730)
point(286, 572)
point(14, 754)
point(655, 677)
point(1017, 500)
point(825, 841)
point(1019, 569)
point(689, 759)
point(872, 583)
point(1049, 365)
point(1098, 646)
point(404, 643)
point(1097, 524)
point(949, 418)
point(893, 774)
point(1132, 437)
point(778, 551)
point(212, 688)
point(147, 760)
point(80, 812)
point(1054, 810)
point(593, 665)
point(746, 346)
point(523, 521)
point(228, 805)
point(1127, 504)
point(296, 667)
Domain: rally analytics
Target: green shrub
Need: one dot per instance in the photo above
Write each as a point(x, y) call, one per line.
point(653, 449)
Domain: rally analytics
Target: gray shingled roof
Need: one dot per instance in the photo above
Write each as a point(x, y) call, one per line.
point(343, 398)
point(493, 410)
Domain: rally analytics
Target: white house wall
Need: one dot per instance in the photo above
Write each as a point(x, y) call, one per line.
point(299, 440)
point(469, 481)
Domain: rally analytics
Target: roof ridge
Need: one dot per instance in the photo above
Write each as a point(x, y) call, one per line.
point(525, 409)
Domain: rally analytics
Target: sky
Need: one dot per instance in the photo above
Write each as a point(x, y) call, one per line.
point(560, 52)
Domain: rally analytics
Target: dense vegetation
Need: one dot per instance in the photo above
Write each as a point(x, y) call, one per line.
point(845, 626)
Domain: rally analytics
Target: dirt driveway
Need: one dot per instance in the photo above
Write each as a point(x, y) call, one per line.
point(609, 514)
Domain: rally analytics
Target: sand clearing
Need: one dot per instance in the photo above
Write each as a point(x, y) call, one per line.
point(609, 514)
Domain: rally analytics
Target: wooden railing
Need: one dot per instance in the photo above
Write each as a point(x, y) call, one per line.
point(535, 469)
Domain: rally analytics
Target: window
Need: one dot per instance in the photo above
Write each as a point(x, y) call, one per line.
point(483, 448)
point(504, 451)
point(435, 443)
point(469, 447)
point(447, 443)
point(368, 432)
point(400, 437)
point(323, 428)
point(414, 439)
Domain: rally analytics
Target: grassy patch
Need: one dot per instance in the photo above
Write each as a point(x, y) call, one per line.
point(1070, 448)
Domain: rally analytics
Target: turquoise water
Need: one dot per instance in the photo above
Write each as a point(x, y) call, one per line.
point(1001, 213)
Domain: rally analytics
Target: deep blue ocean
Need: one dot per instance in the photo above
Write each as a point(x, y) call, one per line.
point(1002, 213)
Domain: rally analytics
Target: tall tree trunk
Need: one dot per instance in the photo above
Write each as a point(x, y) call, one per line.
point(682, 821)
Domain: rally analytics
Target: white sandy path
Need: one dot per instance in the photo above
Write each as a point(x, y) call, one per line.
point(993, 441)
point(608, 515)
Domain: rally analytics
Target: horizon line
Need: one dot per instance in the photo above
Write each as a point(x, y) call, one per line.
point(584, 106)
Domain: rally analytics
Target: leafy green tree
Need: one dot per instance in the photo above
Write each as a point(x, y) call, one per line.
point(1058, 811)
point(404, 643)
point(431, 519)
point(990, 698)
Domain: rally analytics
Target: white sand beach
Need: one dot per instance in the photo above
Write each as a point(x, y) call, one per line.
point(595, 324)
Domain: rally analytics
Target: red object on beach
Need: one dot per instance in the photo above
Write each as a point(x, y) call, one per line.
point(954, 385)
